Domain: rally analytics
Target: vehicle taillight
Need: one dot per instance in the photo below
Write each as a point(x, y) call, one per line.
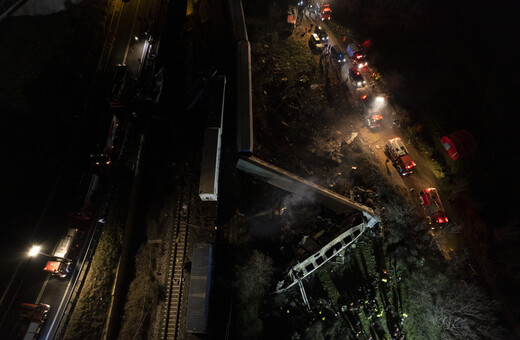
point(363, 97)
point(446, 219)
point(440, 220)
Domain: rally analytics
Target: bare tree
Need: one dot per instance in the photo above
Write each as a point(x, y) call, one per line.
point(254, 277)
point(320, 331)
point(467, 312)
point(398, 218)
point(252, 282)
point(444, 309)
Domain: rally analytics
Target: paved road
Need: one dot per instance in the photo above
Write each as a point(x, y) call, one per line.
point(127, 39)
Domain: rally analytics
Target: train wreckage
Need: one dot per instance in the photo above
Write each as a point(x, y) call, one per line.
point(292, 183)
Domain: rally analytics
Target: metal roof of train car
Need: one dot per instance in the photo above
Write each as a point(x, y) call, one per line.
point(209, 172)
point(200, 283)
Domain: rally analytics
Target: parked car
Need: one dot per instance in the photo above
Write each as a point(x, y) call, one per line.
point(320, 31)
point(337, 55)
point(315, 42)
point(120, 86)
point(355, 77)
point(356, 55)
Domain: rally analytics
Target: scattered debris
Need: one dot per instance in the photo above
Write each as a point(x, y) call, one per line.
point(353, 136)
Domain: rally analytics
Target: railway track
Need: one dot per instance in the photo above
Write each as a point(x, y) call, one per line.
point(178, 233)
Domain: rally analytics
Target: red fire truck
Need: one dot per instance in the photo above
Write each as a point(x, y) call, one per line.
point(433, 208)
point(32, 318)
point(60, 263)
point(325, 12)
point(398, 154)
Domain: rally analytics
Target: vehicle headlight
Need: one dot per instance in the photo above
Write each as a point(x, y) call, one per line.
point(360, 66)
point(344, 59)
point(359, 83)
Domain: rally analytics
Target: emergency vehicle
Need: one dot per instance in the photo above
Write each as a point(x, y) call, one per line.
point(433, 208)
point(398, 154)
point(32, 318)
point(373, 107)
point(60, 263)
point(325, 12)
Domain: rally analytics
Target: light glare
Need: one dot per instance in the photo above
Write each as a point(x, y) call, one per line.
point(34, 251)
